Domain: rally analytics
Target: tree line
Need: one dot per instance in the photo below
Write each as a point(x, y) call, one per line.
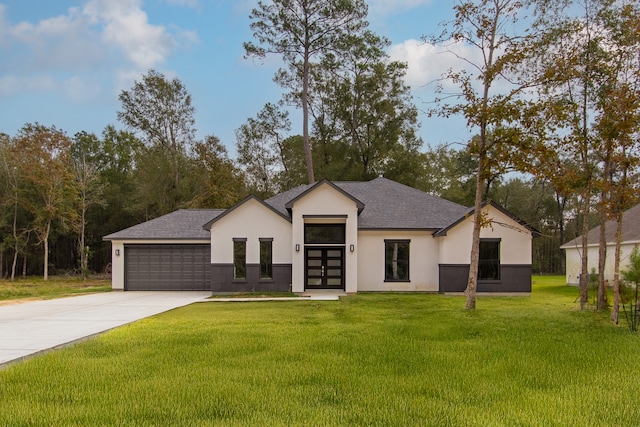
point(549, 87)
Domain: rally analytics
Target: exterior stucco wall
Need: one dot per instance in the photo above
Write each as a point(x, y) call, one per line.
point(252, 221)
point(319, 204)
point(515, 240)
point(423, 261)
point(117, 261)
point(574, 262)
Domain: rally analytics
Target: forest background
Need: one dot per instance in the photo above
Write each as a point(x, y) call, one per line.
point(563, 156)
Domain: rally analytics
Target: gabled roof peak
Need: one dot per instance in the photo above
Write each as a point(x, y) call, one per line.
point(290, 203)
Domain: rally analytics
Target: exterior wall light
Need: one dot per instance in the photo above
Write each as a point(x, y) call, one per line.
point(117, 252)
point(297, 247)
point(352, 248)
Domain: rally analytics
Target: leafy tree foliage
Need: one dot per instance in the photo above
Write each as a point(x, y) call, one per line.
point(260, 146)
point(49, 195)
point(221, 182)
point(89, 187)
point(161, 112)
point(486, 26)
point(299, 31)
point(364, 120)
point(587, 108)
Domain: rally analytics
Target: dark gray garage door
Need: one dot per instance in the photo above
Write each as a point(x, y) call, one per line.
point(167, 267)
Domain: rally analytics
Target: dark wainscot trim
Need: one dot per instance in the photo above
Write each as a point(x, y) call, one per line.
point(514, 278)
point(222, 279)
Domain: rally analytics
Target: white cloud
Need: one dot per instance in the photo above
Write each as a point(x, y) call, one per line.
point(57, 53)
point(126, 28)
point(427, 63)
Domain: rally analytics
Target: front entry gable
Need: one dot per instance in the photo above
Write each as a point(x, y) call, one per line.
point(324, 205)
point(324, 198)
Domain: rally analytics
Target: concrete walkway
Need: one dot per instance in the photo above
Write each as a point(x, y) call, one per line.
point(31, 328)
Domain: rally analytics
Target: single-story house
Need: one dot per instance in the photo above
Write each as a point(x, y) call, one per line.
point(378, 235)
point(630, 239)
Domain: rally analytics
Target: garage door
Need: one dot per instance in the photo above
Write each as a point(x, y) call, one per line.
point(167, 267)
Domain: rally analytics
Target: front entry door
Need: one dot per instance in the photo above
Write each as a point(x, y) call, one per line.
point(324, 268)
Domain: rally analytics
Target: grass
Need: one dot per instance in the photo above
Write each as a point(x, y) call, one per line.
point(370, 359)
point(56, 287)
point(255, 294)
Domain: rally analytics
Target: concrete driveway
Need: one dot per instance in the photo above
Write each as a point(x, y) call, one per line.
point(31, 328)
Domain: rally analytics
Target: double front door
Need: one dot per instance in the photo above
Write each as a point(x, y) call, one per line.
point(324, 268)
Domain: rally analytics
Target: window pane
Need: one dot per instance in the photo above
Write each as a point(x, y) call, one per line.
point(324, 233)
point(489, 264)
point(239, 260)
point(266, 265)
point(397, 260)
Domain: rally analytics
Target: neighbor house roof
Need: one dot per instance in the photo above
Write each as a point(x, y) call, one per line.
point(183, 224)
point(387, 205)
point(630, 230)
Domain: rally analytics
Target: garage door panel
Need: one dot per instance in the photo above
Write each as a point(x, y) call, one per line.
point(167, 267)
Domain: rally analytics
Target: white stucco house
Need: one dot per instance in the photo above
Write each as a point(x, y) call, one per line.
point(630, 239)
point(351, 236)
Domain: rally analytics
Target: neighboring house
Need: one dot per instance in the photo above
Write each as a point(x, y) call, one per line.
point(630, 239)
point(352, 236)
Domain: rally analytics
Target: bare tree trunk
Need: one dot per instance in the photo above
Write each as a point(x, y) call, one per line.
point(45, 243)
point(308, 155)
point(584, 267)
point(15, 261)
point(602, 258)
point(24, 265)
point(616, 270)
point(472, 280)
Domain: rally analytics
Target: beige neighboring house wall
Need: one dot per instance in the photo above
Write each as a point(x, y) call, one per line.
point(515, 239)
point(574, 260)
point(630, 239)
point(325, 204)
point(255, 220)
point(423, 261)
point(117, 261)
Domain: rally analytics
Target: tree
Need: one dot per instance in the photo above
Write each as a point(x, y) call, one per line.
point(160, 110)
point(9, 197)
point(487, 26)
point(582, 55)
point(89, 187)
point(221, 182)
point(43, 156)
point(260, 147)
point(365, 122)
point(299, 31)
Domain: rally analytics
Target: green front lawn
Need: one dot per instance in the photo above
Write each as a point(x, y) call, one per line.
point(369, 359)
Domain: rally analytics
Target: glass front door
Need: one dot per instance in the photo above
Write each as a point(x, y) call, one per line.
point(324, 268)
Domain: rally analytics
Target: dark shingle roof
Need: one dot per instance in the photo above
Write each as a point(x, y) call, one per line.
point(388, 205)
point(630, 230)
point(185, 224)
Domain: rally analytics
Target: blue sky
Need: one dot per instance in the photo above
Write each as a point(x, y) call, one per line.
point(64, 62)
